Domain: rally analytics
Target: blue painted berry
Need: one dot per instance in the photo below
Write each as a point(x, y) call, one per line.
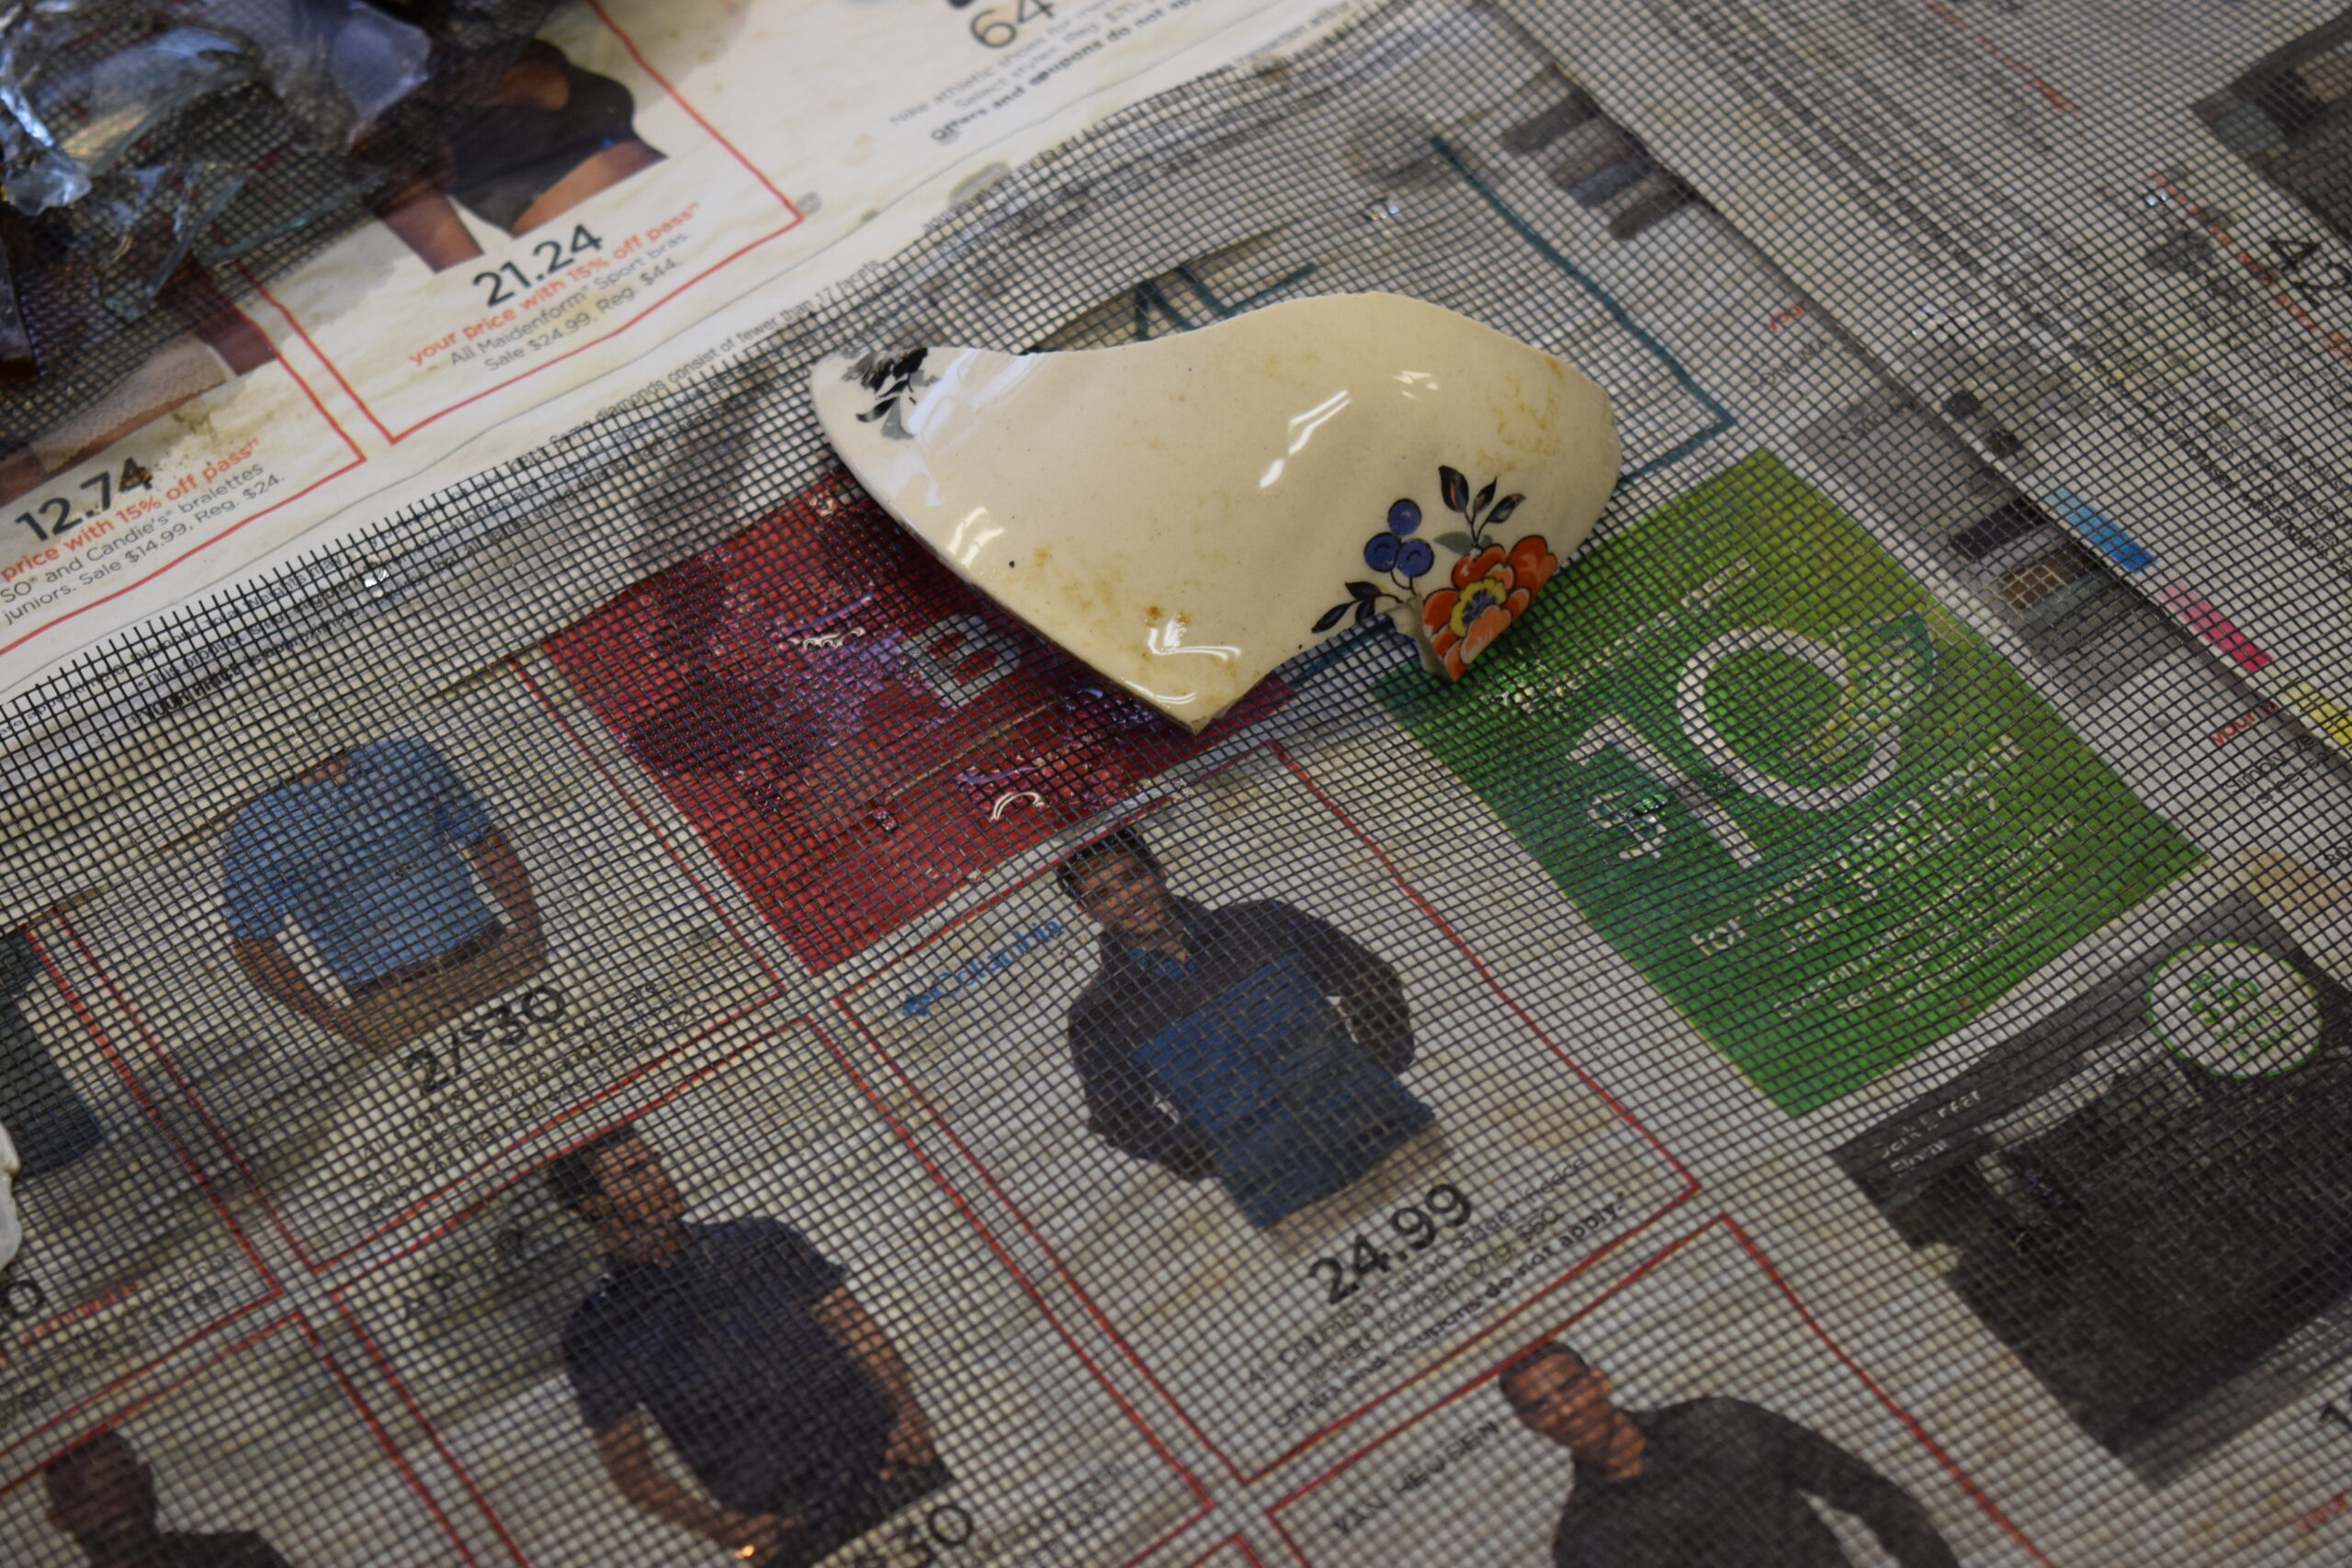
point(1404, 516)
point(1380, 551)
point(1415, 558)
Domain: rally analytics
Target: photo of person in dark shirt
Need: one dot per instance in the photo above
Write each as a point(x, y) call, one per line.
point(374, 853)
point(1252, 1042)
point(548, 137)
point(1703, 1483)
point(100, 1493)
point(744, 1344)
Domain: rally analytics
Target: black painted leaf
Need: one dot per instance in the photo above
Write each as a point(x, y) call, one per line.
point(1330, 617)
point(1485, 496)
point(1503, 508)
point(909, 363)
point(1456, 541)
point(1363, 590)
point(1454, 487)
point(1365, 612)
point(877, 410)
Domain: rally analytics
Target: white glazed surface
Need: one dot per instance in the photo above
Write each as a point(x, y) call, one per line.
point(12, 1233)
point(1180, 514)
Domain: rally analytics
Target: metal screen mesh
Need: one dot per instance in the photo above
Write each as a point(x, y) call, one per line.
point(626, 1016)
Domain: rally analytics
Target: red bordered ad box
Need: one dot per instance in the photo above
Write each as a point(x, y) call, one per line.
point(1271, 1120)
point(134, 1227)
point(586, 196)
point(753, 1273)
point(413, 955)
point(1696, 1410)
point(262, 1454)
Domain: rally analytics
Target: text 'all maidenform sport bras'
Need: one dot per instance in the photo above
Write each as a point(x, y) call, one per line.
point(511, 154)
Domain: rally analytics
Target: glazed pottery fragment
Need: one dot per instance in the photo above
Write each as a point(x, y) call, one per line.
point(12, 1230)
point(1184, 515)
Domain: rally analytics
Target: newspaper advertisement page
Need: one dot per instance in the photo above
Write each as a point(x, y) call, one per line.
point(641, 167)
point(1756, 1007)
point(2080, 236)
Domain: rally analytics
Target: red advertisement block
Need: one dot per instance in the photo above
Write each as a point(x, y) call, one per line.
point(853, 730)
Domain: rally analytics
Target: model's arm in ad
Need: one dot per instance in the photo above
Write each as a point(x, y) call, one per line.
point(1820, 1468)
point(276, 975)
point(626, 1449)
point(503, 872)
point(855, 1330)
point(1120, 1108)
point(1371, 993)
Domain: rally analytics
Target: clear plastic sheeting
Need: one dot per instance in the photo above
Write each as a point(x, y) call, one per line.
point(139, 126)
point(74, 121)
point(336, 65)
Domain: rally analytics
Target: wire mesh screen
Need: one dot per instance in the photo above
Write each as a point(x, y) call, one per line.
point(627, 1015)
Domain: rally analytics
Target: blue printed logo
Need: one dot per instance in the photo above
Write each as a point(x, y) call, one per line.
point(979, 971)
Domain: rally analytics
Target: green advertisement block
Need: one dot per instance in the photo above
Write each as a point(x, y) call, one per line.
point(1815, 809)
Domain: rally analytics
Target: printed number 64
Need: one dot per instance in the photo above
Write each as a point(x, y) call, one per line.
point(996, 30)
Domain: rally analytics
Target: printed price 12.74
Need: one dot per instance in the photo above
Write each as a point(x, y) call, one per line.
point(56, 516)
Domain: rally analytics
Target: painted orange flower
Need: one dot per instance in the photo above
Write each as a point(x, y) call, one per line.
point(1533, 560)
point(1491, 588)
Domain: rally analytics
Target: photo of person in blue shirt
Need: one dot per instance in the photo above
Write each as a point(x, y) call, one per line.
point(375, 854)
point(1249, 1042)
point(744, 1344)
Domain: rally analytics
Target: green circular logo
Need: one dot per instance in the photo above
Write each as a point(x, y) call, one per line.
point(2234, 1009)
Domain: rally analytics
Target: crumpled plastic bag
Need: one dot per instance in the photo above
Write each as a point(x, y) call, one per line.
point(137, 225)
point(67, 117)
point(140, 130)
point(336, 65)
point(67, 123)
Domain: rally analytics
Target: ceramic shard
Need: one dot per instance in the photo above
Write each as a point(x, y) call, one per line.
point(1184, 515)
point(12, 1230)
